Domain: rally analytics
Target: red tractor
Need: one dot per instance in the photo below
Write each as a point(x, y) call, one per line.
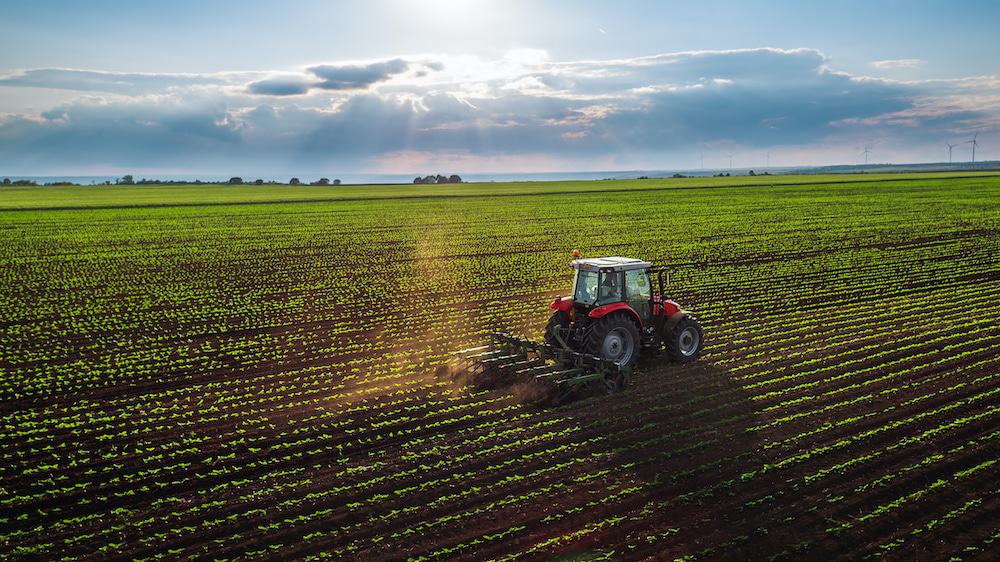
point(614, 314)
point(594, 337)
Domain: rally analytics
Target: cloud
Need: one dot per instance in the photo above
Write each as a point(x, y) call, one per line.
point(94, 130)
point(341, 77)
point(128, 83)
point(280, 86)
point(650, 111)
point(356, 77)
point(326, 77)
point(889, 64)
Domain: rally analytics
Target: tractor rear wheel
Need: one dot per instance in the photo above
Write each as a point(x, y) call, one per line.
point(685, 340)
point(616, 338)
point(558, 321)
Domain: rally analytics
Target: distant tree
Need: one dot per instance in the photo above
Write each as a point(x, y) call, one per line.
point(127, 180)
point(6, 181)
point(258, 182)
point(454, 178)
point(294, 181)
point(678, 175)
point(336, 182)
point(321, 181)
point(752, 174)
point(440, 179)
point(429, 179)
point(418, 179)
point(235, 180)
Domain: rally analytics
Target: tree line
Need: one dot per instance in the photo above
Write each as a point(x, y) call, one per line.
point(7, 181)
point(129, 179)
point(454, 178)
point(235, 180)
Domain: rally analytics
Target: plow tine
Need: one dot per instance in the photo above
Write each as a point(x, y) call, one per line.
point(517, 369)
point(535, 371)
point(484, 355)
point(559, 375)
point(501, 360)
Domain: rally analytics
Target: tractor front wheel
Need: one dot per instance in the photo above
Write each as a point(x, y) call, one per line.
point(615, 338)
point(685, 340)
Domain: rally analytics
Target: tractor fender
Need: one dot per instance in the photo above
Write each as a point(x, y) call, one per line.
point(665, 307)
point(673, 319)
point(603, 311)
point(564, 304)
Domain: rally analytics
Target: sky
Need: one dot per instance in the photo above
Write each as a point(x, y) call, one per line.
point(415, 87)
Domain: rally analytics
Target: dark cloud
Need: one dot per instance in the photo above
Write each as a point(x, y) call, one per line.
point(279, 87)
point(341, 77)
point(357, 77)
point(753, 111)
point(90, 131)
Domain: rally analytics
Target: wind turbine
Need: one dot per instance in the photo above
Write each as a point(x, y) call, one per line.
point(702, 161)
point(730, 162)
point(974, 145)
point(867, 150)
point(950, 146)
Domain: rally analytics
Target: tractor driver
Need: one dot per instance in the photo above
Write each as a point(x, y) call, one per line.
point(610, 291)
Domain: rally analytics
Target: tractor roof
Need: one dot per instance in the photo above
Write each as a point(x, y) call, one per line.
point(613, 263)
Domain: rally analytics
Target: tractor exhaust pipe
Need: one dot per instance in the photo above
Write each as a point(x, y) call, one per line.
point(660, 278)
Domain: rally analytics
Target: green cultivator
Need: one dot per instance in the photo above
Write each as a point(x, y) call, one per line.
point(559, 370)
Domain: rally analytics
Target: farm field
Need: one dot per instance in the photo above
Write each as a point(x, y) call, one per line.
point(260, 373)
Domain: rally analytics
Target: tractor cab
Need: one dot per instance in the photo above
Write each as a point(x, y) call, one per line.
point(600, 282)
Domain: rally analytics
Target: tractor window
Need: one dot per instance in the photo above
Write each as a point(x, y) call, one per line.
point(610, 287)
point(591, 287)
point(585, 287)
point(639, 292)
